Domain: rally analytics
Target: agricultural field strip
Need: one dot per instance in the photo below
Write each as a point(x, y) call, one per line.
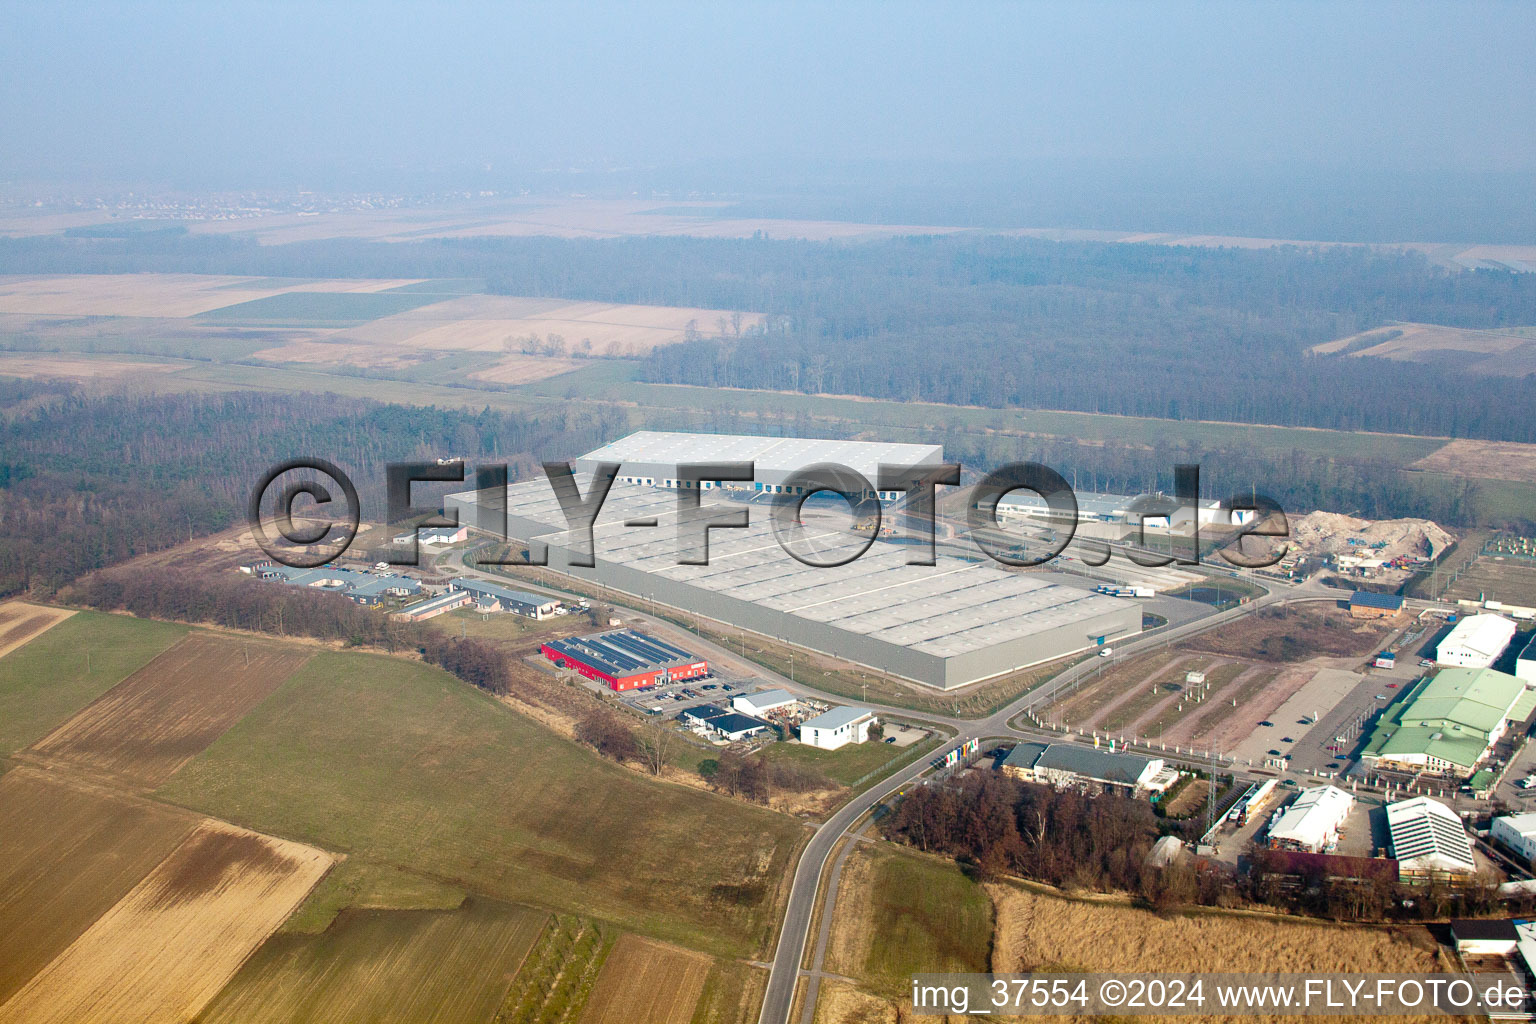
point(146, 727)
point(644, 980)
point(156, 295)
point(424, 966)
point(20, 622)
point(68, 853)
point(165, 949)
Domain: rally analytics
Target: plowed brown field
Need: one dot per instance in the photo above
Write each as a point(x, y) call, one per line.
point(163, 715)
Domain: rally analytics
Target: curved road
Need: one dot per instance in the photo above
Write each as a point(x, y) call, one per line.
point(800, 909)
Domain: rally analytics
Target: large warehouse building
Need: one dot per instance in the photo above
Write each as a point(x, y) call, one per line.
point(625, 659)
point(1450, 721)
point(945, 625)
point(1476, 641)
point(649, 458)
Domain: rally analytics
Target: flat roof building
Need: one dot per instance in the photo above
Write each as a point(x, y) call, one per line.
point(1449, 721)
point(650, 458)
point(728, 725)
point(763, 701)
point(1476, 641)
point(495, 597)
point(1104, 507)
point(435, 606)
point(1518, 834)
point(1071, 764)
point(625, 659)
point(947, 625)
point(1428, 839)
point(837, 728)
point(1311, 823)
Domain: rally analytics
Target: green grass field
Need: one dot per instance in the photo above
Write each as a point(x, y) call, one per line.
point(398, 764)
point(319, 309)
point(922, 915)
point(57, 673)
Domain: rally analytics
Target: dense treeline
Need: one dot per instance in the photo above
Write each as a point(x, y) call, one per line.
point(239, 602)
point(86, 482)
point(980, 320)
point(1003, 826)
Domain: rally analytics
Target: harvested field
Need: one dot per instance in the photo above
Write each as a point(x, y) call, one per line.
point(646, 982)
point(424, 967)
point(1038, 931)
point(1413, 342)
point(20, 622)
point(524, 369)
point(163, 715)
point(123, 294)
point(67, 855)
point(167, 948)
point(325, 353)
point(79, 368)
point(502, 323)
point(1486, 460)
point(841, 1003)
point(60, 671)
point(1289, 636)
point(155, 295)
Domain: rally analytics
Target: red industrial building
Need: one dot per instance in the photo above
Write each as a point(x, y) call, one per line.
point(625, 659)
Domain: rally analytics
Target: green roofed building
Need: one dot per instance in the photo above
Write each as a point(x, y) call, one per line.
point(1449, 721)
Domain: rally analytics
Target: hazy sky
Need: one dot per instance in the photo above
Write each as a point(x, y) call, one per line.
point(229, 93)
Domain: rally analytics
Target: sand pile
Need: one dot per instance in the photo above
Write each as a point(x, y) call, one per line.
point(1320, 533)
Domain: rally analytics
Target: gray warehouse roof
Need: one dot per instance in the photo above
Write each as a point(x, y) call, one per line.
point(836, 718)
point(950, 608)
point(771, 454)
point(1092, 763)
point(948, 624)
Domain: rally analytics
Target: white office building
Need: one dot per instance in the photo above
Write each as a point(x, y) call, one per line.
point(837, 727)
